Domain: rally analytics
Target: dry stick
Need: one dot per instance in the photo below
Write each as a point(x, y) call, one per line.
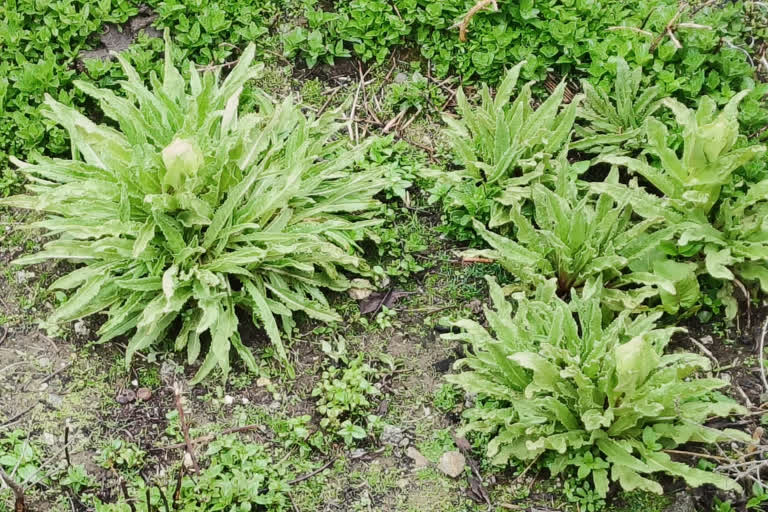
point(57, 372)
point(331, 94)
point(163, 496)
point(476, 260)
point(22, 413)
point(184, 426)
point(66, 445)
point(393, 122)
point(705, 350)
point(702, 455)
point(479, 6)
point(633, 29)
point(668, 29)
point(4, 335)
point(177, 492)
point(18, 492)
point(761, 355)
point(313, 473)
point(207, 438)
point(746, 299)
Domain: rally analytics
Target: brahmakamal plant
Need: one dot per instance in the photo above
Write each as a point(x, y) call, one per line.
point(614, 123)
point(503, 142)
point(189, 213)
point(580, 390)
point(726, 234)
point(575, 236)
point(692, 182)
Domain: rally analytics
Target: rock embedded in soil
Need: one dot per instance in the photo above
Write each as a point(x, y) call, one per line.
point(392, 435)
point(81, 329)
point(452, 464)
point(143, 394)
point(125, 396)
point(419, 461)
point(682, 502)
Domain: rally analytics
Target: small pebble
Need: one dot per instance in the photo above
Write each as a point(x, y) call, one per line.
point(125, 396)
point(228, 400)
point(143, 394)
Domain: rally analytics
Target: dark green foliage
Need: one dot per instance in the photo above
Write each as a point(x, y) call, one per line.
point(572, 37)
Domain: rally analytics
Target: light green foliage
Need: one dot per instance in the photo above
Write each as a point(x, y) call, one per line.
point(40, 45)
point(575, 237)
point(76, 479)
point(613, 121)
point(501, 145)
point(238, 477)
point(190, 211)
point(447, 397)
point(344, 399)
point(729, 231)
point(587, 392)
point(415, 92)
point(692, 182)
point(119, 454)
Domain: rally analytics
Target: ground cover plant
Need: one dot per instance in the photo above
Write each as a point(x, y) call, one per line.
point(200, 212)
point(278, 248)
point(708, 53)
point(47, 46)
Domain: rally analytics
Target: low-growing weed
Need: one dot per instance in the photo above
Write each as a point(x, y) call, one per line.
point(344, 400)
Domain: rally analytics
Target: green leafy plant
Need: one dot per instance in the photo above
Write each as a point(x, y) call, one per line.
point(575, 237)
point(615, 120)
point(501, 144)
point(239, 477)
point(121, 455)
point(575, 38)
point(729, 231)
point(20, 456)
point(692, 182)
point(190, 212)
point(344, 399)
point(587, 392)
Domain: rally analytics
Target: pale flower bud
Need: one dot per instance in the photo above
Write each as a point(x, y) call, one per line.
point(182, 158)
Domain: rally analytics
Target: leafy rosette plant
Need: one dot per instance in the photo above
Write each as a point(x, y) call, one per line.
point(728, 231)
point(616, 126)
point(562, 383)
point(501, 143)
point(574, 236)
point(182, 213)
point(692, 182)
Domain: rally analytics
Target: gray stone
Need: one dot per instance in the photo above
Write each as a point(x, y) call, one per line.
point(392, 435)
point(682, 502)
point(54, 400)
point(81, 329)
point(401, 78)
point(452, 464)
point(419, 461)
point(48, 438)
point(24, 276)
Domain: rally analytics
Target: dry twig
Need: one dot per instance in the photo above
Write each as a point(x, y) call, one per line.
point(761, 355)
point(479, 6)
point(184, 426)
point(18, 492)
